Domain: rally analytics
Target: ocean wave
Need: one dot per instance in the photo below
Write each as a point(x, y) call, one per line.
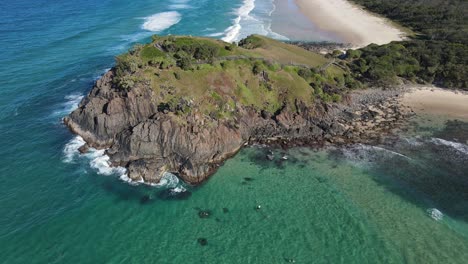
point(100, 74)
point(100, 162)
point(180, 6)
point(249, 21)
point(161, 21)
point(71, 103)
point(168, 180)
point(70, 150)
point(232, 32)
point(455, 145)
point(218, 34)
point(435, 214)
point(364, 152)
point(208, 29)
point(98, 159)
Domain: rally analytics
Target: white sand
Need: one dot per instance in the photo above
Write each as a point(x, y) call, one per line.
point(436, 101)
point(350, 22)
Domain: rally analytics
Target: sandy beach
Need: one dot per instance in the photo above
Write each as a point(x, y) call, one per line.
point(437, 101)
point(349, 22)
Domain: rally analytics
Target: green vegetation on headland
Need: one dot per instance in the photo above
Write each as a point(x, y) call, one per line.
point(216, 78)
point(438, 54)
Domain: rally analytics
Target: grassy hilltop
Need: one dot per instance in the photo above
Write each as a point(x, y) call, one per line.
point(215, 77)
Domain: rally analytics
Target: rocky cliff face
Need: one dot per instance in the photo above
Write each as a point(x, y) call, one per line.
point(149, 142)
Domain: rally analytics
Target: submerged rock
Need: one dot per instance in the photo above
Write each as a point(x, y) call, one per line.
point(204, 213)
point(145, 199)
point(202, 241)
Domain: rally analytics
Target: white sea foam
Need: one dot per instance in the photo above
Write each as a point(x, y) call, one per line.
point(232, 32)
point(178, 189)
point(389, 151)
point(249, 21)
point(455, 145)
point(209, 29)
point(168, 180)
point(100, 74)
point(70, 150)
point(414, 141)
point(435, 214)
point(69, 105)
point(161, 21)
point(98, 160)
point(215, 34)
point(365, 151)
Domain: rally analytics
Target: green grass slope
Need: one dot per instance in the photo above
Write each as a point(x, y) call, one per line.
point(215, 78)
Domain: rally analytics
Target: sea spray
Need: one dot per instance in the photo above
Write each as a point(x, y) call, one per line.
point(100, 162)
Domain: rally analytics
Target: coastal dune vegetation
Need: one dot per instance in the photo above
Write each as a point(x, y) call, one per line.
point(437, 53)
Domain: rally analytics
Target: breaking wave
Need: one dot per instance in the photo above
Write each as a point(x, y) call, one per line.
point(100, 162)
point(71, 103)
point(455, 145)
point(232, 32)
point(435, 214)
point(252, 20)
point(361, 152)
point(161, 21)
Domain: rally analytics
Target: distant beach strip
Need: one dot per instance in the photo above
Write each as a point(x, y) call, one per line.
point(337, 21)
point(350, 22)
point(310, 20)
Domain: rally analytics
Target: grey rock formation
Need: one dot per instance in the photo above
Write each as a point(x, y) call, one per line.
point(149, 142)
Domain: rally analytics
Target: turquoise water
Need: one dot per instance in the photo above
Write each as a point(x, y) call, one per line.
point(405, 202)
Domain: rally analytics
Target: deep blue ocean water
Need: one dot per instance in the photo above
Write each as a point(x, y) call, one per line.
point(405, 203)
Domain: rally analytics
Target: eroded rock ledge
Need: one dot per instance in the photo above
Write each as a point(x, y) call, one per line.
point(148, 141)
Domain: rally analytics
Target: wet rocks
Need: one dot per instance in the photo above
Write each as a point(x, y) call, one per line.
point(204, 213)
point(149, 142)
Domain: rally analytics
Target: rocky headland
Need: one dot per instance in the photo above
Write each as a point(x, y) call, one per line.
point(148, 136)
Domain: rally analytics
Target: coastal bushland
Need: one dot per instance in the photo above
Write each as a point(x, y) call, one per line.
point(437, 53)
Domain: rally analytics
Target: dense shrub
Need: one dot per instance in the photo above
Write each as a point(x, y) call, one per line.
point(437, 62)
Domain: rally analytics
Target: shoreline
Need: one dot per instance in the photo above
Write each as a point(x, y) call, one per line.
point(430, 100)
point(350, 22)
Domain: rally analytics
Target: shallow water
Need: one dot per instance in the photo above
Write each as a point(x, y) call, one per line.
point(397, 203)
